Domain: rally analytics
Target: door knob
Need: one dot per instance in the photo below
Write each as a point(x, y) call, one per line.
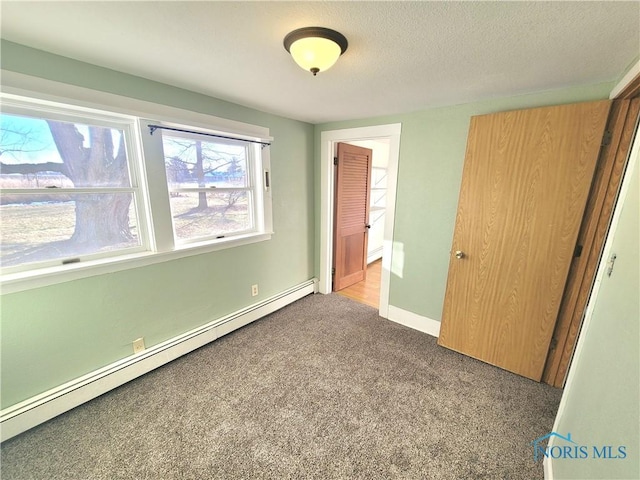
point(368, 226)
point(459, 254)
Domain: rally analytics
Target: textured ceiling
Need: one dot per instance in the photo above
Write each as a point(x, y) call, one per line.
point(402, 56)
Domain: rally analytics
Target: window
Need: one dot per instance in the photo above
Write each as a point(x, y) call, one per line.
point(211, 185)
point(81, 187)
point(68, 191)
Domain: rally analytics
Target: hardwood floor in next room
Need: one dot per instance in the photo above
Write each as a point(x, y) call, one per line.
point(368, 290)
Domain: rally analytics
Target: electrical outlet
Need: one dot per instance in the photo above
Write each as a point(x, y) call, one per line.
point(138, 345)
point(254, 290)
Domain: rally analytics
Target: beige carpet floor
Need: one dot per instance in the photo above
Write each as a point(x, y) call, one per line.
point(322, 389)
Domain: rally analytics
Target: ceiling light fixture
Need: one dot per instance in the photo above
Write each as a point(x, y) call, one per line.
point(315, 49)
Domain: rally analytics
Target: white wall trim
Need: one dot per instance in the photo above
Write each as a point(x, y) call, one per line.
point(415, 321)
point(40, 408)
point(49, 90)
point(374, 255)
point(626, 80)
point(42, 277)
point(328, 141)
point(547, 469)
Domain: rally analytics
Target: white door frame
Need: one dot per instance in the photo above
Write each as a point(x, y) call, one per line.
point(328, 141)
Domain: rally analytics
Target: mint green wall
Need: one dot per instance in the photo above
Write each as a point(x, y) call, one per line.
point(432, 149)
point(54, 334)
point(600, 403)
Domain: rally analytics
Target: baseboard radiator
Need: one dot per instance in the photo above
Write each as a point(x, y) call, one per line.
point(36, 410)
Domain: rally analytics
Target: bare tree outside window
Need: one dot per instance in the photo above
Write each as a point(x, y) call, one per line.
point(39, 157)
point(208, 185)
point(79, 184)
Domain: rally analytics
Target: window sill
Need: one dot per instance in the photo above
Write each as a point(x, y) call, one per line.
point(18, 282)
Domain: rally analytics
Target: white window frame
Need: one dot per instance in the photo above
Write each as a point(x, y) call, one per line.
point(256, 188)
point(38, 109)
point(163, 239)
point(159, 245)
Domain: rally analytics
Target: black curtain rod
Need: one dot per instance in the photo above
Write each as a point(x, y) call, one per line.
point(153, 128)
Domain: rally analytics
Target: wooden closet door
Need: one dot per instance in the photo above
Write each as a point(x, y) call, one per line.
point(525, 184)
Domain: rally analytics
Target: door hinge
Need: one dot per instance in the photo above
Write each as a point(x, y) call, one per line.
point(333, 271)
point(577, 251)
point(335, 160)
point(554, 344)
point(606, 139)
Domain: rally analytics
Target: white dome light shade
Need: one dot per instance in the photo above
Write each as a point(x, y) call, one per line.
point(315, 49)
point(315, 54)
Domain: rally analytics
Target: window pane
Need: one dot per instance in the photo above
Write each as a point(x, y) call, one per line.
point(45, 153)
point(199, 162)
point(204, 214)
point(40, 227)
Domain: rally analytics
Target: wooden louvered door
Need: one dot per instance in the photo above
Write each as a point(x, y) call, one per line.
point(524, 189)
point(351, 229)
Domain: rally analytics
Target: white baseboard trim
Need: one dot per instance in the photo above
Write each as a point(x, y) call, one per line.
point(36, 410)
point(413, 320)
point(374, 255)
point(547, 468)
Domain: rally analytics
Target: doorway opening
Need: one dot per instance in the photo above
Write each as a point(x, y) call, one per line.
point(389, 136)
point(366, 291)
